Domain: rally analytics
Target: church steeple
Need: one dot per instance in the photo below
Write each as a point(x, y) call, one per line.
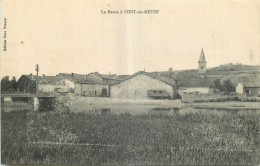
point(202, 62)
point(202, 57)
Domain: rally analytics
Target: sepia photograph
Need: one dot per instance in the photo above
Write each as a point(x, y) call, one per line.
point(130, 82)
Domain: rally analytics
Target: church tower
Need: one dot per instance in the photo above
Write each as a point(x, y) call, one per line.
point(202, 62)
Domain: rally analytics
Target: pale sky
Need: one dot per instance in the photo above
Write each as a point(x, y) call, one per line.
point(73, 36)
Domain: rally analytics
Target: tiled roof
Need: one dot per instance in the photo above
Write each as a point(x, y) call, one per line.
point(106, 76)
point(76, 78)
point(121, 77)
point(52, 80)
point(167, 80)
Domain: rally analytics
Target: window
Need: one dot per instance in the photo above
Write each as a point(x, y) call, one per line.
point(202, 67)
point(160, 91)
point(95, 93)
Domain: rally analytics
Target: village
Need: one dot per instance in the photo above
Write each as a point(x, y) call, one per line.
point(147, 117)
point(144, 85)
point(225, 85)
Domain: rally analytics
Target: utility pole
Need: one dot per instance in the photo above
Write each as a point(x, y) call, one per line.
point(37, 70)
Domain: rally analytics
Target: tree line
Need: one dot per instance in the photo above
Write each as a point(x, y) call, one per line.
point(8, 86)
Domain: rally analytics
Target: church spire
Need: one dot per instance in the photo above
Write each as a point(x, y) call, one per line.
point(202, 62)
point(202, 57)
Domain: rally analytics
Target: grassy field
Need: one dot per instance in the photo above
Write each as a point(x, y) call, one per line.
point(81, 138)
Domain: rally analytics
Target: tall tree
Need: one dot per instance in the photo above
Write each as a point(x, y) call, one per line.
point(14, 83)
point(217, 85)
point(228, 86)
point(8, 86)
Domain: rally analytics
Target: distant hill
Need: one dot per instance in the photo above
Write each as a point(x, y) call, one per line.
point(235, 72)
point(235, 67)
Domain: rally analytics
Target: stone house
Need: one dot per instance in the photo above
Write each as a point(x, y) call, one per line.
point(91, 89)
point(91, 85)
point(143, 85)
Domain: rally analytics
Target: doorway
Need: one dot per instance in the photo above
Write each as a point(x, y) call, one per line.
point(104, 92)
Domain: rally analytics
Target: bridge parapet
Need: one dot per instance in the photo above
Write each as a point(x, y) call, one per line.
point(18, 102)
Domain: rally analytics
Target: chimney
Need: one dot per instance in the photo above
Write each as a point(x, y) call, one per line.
point(170, 69)
point(109, 73)
point(72, 74)
point(144, 69)
point(43, 74)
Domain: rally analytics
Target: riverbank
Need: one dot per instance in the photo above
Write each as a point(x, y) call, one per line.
point(232, 105)
point(78, 103)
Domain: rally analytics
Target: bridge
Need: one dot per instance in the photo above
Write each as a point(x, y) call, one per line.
point(21, 102)
point(26, 95)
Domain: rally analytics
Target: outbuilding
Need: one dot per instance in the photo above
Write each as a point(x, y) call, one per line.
point(248, 88)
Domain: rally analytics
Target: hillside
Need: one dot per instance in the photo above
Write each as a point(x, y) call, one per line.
point(235, 72)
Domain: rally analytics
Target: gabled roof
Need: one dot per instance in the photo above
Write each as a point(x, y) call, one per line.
point(202, 57)
point(167, 74)
point(251, 84)
point(106, 76)
point(76, 78)
point(169, 81)
point(122, 77)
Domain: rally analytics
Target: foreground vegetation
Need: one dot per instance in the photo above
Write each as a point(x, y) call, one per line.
point(80, 138)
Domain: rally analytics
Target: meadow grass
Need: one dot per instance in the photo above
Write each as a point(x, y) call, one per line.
point(81, 138)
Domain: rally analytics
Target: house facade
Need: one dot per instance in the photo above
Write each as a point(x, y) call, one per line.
point(92, 89)
point(248, 88)
point(144, 85)
point(203, 90)
point(194, 85)
point(91, 85)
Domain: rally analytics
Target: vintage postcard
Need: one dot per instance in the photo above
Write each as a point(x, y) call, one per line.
point(130, 82)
